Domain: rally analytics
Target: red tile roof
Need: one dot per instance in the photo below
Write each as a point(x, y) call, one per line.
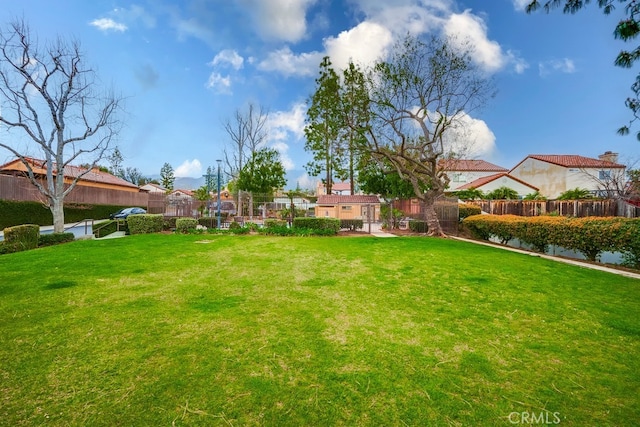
point(470, 165)
point(487, 179)
point(334, 199)
point(572, 161)
point(93, 175)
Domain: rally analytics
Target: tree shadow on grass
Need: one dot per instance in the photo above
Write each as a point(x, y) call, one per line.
point(60, 284)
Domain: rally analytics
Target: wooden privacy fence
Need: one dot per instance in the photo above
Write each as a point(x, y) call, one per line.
point(21, 189)
point(576, 208)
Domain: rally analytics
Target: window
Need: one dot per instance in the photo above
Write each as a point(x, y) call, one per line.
point(459, 177)
point(346, 208)
point(604, 175)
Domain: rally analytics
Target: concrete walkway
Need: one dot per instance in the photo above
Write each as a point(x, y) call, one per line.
point(376, 230)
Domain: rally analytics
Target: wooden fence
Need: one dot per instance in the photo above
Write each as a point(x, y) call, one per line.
point(576, 208)
point(20, 188)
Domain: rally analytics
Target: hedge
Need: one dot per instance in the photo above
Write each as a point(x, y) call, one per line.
point(465, 210)
point(330, 224)
point(145, 223)
point(184, 225)
point(21, 237)
point(589, 235)
point(274, 223)
point(55, 238)
point(16, 213)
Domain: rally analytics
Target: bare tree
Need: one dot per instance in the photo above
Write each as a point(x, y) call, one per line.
point(247, 133)
point(50, 103)
point(420, 95)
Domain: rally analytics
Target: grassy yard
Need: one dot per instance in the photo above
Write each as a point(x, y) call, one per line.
point(162, 330)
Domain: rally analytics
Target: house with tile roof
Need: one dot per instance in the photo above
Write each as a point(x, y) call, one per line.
point(88, 178)
point(492, 182)
point(555, 174)
point(463, 171)
point(348, 207)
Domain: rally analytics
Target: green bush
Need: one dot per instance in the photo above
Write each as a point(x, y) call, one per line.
point(351, 224)
point(55, 238)
point(169, 223)
point(234, 225)
point(271, 223)
point(466, 209)
point(590, 236)
point(239, 229)
point(145, 223)
point(418, 226)
point(18, 212)
point(22, 237)
point(330, 224)
point(185, 225)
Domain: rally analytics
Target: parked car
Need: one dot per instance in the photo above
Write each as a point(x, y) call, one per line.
point(124, 213)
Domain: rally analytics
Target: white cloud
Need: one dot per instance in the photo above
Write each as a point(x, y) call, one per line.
point(306, 182)
point(564, 65)
point(471, 138)
point(188, 168)
point(467, 27)
point(284, 127)
point(220, 84)
point(228, 56)
point(108, 24)
point(279, 19)
point(363, 44)
point(288, 63)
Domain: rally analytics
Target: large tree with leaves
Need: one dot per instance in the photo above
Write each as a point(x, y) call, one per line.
point(354, 104)
point(262, 174)
point(627, 29)
point(324, 124)
point(51, 104)
point(417, 97)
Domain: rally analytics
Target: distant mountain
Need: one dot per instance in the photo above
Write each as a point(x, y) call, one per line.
point(187, 183)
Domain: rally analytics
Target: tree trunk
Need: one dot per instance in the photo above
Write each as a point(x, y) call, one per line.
point(433, 224)
point(250, 205)
point(57, 210)
point(239, 211)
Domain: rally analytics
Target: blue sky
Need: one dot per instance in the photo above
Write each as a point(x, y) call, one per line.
point(186, 66)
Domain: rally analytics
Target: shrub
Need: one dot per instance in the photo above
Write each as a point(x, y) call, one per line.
point(331, 224)
point(590, 236)
point(351, 224)
point(271, 223)
point(575, 194)
point(466, 209)
point(55, 238)
point(185, 225)
point(22, 237)
point(418, 226)
point(169, 223)
point(238, 229)
point(20, 212)
point(145, 223)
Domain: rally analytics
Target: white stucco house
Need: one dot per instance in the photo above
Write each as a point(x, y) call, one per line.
point(555, 174)
point(492, 182)
point(464, 171)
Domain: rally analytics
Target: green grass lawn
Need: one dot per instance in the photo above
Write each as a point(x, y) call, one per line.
point(162, 330)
